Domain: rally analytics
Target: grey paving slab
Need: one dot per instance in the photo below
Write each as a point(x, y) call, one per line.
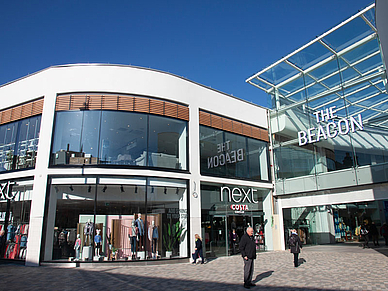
point(334, 267)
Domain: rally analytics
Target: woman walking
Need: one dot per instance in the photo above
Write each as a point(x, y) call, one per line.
point(295, 246)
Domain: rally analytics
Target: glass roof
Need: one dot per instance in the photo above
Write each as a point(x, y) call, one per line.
point(344, 62)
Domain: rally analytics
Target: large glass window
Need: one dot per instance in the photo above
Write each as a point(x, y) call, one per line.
point(119, 138)
point(231, 155)
point(14, 218)
point(167, 143)
point(123, 138)
point(110, 219)
point(19, 144)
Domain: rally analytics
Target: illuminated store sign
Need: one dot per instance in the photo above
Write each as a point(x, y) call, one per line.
point(239, 195)
point(5, 193)
point(225, 156)
point(331, 128)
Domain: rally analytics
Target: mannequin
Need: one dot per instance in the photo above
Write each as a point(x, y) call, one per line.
point(132, 239)
point(140, 226)
point(88, 231)
point(153, 236)
point(97, 242)
point(77, 247)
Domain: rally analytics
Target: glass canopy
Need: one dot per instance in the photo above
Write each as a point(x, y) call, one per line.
point(344, 63)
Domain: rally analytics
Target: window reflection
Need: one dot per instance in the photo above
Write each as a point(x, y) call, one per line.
point(119, 138)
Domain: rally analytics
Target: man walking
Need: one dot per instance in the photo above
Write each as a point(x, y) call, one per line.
point(248, 252)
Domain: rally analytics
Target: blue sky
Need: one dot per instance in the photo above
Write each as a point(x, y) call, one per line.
point(215, 43)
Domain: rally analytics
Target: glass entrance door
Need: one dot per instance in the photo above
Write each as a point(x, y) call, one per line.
point(216, 237)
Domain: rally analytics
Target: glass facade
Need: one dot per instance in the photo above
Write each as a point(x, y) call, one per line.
point(231, 155)
point(19, 144)
point(328, 116)
point(116, 219)
point(15, 206)
point(119, 138)
point(335, 223)
point(228, 209)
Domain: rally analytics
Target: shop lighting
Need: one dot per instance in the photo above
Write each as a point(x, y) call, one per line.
point(152, 189)
point(136, 189)
point(104, 189)
point(165, 190)
point(71, 188)
point(177, 191)
point(122, 189)
point(56, 189)
point(89, 188)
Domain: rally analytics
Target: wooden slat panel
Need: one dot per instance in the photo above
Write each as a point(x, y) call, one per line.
point(227, 124)
point(183, 113)
point(6, 116)
point(16, 113)
point(63, 103)
point(156, 107)
point(246, 130)
point(94, 102)
point(109, 102)
point(170, 109)
point(126, 103)
point(204, 118)
point(37, 107)
point(264, 135)
point(237, 127)
point(26, 110)
point(142, 105)
point(78, 102)
point(256, 133)
point(216, 121)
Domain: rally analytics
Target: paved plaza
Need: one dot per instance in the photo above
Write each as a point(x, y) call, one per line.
point(330, 267)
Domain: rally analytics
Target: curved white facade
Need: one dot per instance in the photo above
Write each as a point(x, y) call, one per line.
point(126, 80)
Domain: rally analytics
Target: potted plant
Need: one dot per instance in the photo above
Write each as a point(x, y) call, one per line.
point(172, 233)
point(114, 252)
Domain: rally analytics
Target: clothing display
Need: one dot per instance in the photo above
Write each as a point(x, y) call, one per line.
point(88, 231)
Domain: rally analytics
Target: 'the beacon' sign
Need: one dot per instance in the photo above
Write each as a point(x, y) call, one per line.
point(331, 128)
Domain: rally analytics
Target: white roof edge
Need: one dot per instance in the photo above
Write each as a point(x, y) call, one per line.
point(313, 41)
point(129, 66)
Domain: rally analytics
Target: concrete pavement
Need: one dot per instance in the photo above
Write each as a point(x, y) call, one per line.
point(329, 267)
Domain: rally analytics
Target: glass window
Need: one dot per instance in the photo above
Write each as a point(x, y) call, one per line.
point(167, 143)
point(27, 142)
point(211, 141)
point(123, 138)
point(15, 217)
point(90, 135)
point(67, 137)
point(232, 155)
point(114, 220)
point(8, 134)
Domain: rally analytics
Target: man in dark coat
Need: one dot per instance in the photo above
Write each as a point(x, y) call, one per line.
point(248, 252)
point(295, 246)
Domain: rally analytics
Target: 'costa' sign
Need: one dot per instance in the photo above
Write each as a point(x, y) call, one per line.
point(239, 207)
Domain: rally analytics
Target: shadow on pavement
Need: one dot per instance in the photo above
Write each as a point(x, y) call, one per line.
point(262, 276)
point(44, 278)
point(301, 261)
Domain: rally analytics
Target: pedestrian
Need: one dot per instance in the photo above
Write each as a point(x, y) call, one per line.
point(374, 234)
point(384, 232)
point(234, 238)
point(364, 236)
point(295, 246)
point(248, 252)
point(198, 250)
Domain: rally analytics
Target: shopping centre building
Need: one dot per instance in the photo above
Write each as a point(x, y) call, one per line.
point(120, 163)
point(329, 128)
